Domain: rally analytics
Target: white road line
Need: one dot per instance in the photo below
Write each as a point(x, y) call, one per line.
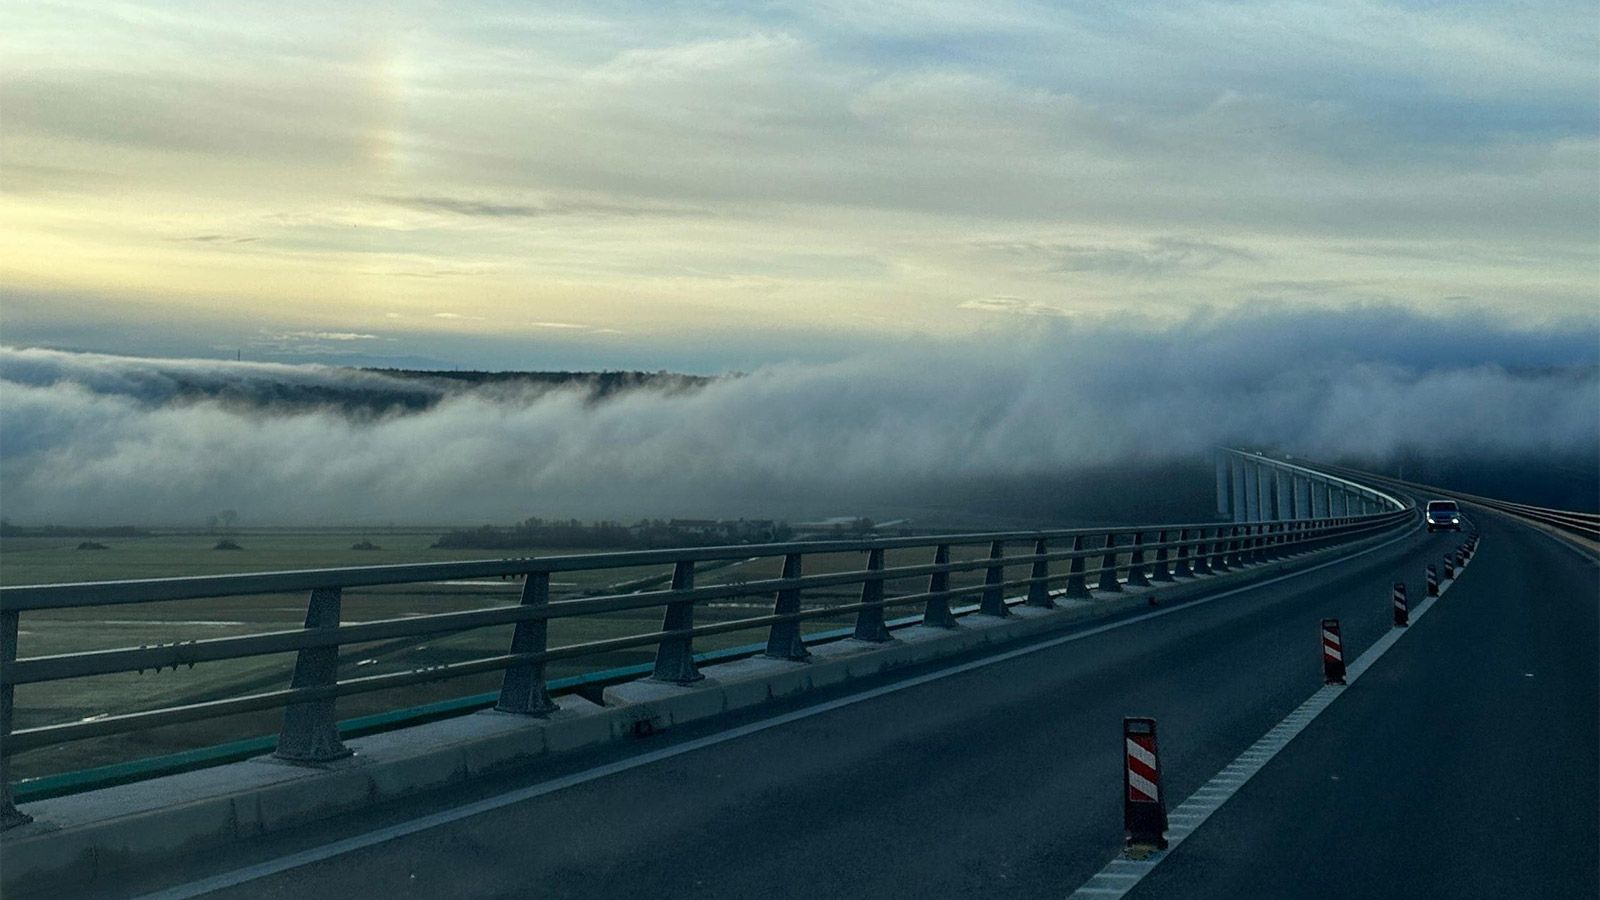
point(348, 845)
point(1194, 811)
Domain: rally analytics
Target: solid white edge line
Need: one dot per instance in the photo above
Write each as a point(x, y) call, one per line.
point(240, 876)
point(1222, 786)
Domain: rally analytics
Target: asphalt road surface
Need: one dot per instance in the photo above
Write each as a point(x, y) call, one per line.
point(1463, 764)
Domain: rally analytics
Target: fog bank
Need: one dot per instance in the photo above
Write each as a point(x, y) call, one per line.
point(93, 439)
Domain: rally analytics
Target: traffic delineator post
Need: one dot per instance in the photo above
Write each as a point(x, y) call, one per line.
point(1449, 568)
point(1433, 581)
point(1332, 652)
point(1144, 805)
point(1402, 612)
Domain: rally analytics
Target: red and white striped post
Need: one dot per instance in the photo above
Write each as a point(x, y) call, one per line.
point(1461, 556)
point(1332, 652)
point(1449, 568)
point(1144, 806)
point(1433, 581)
point(1402, 612)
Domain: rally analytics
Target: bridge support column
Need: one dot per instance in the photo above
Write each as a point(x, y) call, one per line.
point(1236, 465)
point(784, 641)
point(937, 611)
point(1285, 496)
point(522, 687)
point(1039, 590)
point(1252, 492)
point(1302, 497)
point(1223, 495)
point(675, 656)
point(994, 577)
point(310, 730)
point(1263, 493)
point(869, 622)
point(1320, 505)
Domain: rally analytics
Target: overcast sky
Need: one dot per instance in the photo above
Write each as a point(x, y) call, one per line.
point(715, 186)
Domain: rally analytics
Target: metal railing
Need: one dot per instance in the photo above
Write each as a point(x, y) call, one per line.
point(1102, 560)
point(1580, 523)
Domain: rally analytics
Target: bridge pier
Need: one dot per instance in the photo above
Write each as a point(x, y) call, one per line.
point(1302, 497)
point(1285, 497)
point(1263, 494)
point(1252, 494)
point(1222, 485)
point(1240, 510)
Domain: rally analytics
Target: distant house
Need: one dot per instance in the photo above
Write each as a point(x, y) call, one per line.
point(695, 526)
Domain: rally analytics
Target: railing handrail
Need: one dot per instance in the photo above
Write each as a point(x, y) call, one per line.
point(1095, 558)
point(66, 595)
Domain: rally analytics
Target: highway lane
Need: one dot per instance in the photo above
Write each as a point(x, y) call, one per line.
point(1002, 781)
point(1464, 764)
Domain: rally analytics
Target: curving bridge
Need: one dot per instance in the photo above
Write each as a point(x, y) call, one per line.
point(919, 717)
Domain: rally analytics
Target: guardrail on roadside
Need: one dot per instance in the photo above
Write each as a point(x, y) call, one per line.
point(1111, 557)
point(1580, 523)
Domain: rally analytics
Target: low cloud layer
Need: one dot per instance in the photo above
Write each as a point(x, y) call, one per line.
point(98, 439)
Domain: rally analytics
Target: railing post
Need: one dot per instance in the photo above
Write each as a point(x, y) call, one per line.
point(869, 622)
point(784, 640)
point(522, 689)
point(1136, 577)
point(10, 816)
point(1227, 550)
point(1202, 554)
point(994, 577)
point(1076, 588)
point(1039, 590)
point(310, 729)
point(1161, 571)
point(936, 613)
point(1180, 568)
point(1108, 567)
point(675, 656)
point(1216, 557)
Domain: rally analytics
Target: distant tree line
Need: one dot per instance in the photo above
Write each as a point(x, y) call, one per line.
point(646, 534)
point(50, 531)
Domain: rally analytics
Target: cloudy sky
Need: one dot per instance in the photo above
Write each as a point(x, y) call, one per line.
point(714, 186)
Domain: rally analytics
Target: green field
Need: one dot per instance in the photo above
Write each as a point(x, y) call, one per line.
point(50, 560)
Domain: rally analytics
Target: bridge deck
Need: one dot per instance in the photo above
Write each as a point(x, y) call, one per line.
point(1458, 774)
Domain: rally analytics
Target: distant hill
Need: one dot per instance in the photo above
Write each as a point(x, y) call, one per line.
point(600, 384)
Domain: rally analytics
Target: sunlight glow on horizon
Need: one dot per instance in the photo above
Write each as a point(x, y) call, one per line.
point(649, 177)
